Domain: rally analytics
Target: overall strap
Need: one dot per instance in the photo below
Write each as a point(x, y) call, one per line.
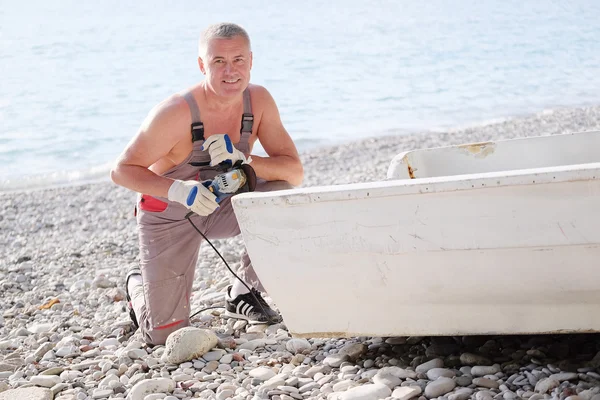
point(197, 125)
point(247, 118)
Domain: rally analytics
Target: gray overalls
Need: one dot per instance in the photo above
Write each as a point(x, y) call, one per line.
point(169, 245)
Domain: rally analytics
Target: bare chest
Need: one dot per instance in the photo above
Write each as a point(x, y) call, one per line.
point(212, 126)
point(231, 126)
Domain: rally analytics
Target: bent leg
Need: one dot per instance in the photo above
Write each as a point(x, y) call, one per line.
point(168, 256)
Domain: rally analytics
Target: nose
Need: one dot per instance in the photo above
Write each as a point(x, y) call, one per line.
point(228, 68)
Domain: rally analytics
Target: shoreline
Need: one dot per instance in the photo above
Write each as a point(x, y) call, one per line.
point(488, 130)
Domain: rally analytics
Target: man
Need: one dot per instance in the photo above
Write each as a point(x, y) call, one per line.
point(179, 145)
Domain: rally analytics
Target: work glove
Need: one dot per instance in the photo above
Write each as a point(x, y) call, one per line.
point(194, 195)
point(221, 150)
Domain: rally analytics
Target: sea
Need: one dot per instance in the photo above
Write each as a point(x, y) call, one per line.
point(78, 77)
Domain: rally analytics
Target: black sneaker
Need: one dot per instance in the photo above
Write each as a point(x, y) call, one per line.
point(251, 307)
point(130, 273)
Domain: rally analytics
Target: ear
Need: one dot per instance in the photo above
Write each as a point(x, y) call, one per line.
point(201, 65)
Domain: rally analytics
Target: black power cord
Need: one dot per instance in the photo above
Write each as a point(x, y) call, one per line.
point(230, 270)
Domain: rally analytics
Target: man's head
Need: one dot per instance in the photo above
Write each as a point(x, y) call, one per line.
point(225, 57)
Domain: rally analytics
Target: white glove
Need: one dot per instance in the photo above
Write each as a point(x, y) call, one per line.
point(194, 196)
point(221, 149)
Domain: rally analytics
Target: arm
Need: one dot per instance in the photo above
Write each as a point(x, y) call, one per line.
point(165, 127)
point(283, 162)
point(160, 132)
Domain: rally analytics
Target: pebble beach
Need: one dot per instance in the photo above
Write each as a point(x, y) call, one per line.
point(65, 333)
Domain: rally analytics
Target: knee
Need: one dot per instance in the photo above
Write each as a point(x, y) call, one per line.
point(158, 336)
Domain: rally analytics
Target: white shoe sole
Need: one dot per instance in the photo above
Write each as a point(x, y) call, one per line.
point(229, 314)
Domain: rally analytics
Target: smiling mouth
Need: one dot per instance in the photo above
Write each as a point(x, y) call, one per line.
point(231, 80)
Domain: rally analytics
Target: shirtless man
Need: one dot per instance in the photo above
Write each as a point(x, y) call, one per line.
point(179, 144)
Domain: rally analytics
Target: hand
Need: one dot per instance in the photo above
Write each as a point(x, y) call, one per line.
point(221, 149)
point(194, 196)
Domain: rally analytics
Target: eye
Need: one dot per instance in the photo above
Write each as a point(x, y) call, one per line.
point(239, 60)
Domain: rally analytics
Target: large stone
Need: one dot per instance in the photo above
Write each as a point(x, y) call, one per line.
point(30, 393)
point(188, 343)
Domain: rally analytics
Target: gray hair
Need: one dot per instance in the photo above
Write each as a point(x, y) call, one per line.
point(223, 30)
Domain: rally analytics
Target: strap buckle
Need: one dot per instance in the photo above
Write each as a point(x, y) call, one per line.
point(197, 131)
point(247, 122)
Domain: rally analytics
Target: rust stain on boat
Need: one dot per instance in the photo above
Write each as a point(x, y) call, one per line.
point(480, 150)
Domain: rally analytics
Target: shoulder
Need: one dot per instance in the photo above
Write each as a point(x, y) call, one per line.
point(174, 106)
point(172, 111)
point(260, 94)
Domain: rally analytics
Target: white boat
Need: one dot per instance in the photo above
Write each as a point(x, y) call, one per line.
point(486, 238)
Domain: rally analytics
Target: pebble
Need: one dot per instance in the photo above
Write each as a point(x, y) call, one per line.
point(435, 373)
point(395, 340)
point(335, 360)
point(439, 387)
point(485, 370)
point(474, 359)
point(214, 355)
point(262, 373)
point(46, 380)
point(461, 394)
point(546, 385)
point(296, 346)
point(406, 392)
point(366, 392)
point(564, 376)
point(486, 383)
point(387, 379)
point(101, 393)
point(426, 366)
point(344, 385)
point(148, 386)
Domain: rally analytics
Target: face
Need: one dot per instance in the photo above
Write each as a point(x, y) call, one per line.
point(227, 65)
